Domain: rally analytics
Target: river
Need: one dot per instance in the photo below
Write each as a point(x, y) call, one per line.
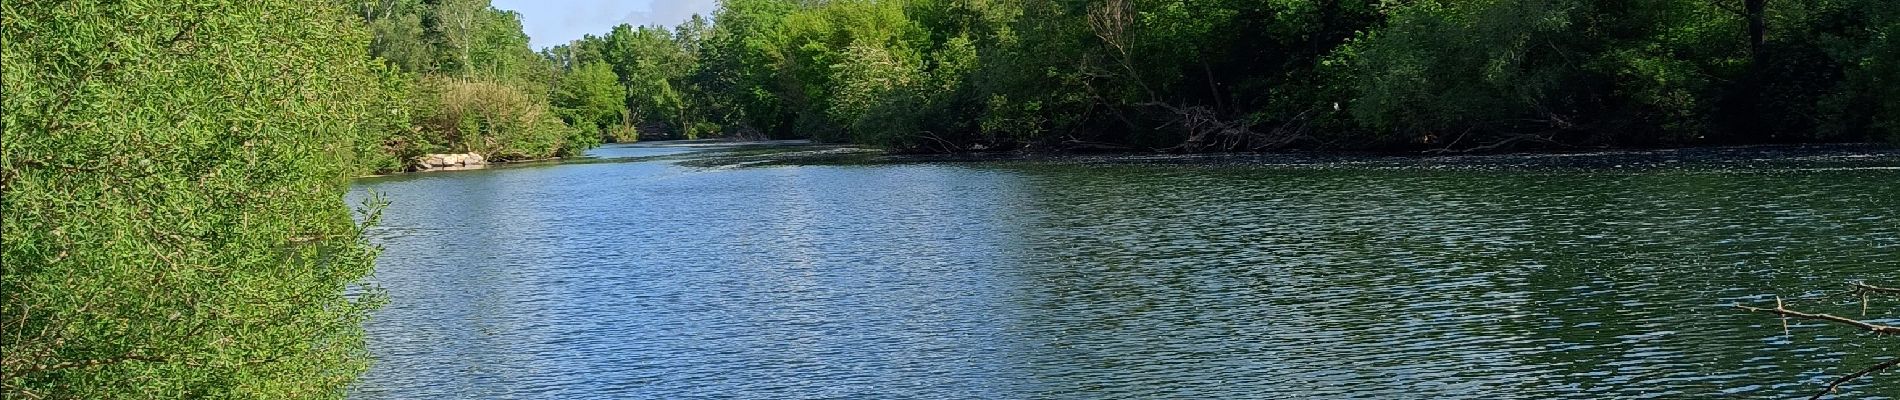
point(646, 278)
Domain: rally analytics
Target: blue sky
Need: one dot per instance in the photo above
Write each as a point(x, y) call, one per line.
point(553, 22)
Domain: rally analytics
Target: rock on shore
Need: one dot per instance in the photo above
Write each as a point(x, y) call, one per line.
point(448, 162)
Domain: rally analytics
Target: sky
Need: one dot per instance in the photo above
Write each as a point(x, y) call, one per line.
point(554, 22)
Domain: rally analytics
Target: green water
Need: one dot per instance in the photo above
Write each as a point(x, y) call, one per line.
point(1012, 279)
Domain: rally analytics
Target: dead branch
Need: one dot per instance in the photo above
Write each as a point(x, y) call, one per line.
point(1836, 384)
point(1881, 330)
point(943, 146)
point(1505, 143)
point(1078, 144)
point(1296, 129)
point(1785, 312)
point(1866, 291)
point(1110, 21)
point(1206, 130)
point(1863, 289)
point(1454, 142)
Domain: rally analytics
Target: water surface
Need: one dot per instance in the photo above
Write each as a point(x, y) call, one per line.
point(1011, 279)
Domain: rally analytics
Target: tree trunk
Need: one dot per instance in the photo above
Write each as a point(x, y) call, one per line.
point(1756, 13)
point(1743, 104)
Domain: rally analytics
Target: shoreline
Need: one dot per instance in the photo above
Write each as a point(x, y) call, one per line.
point(724, 154)
point(484, 165)
point(1874, 155)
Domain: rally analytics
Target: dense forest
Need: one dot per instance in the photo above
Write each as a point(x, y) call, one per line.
point(171, 170)
point(1144, 75)
point(1242, 75)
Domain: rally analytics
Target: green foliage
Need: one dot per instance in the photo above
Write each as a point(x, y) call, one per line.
point(400, 39)
point(392, 140)
point(1856, 45)
point(436, 42)
point(872, 85)
point(497, 120)
point(590, 98)
point(171, 176)
point(1437, 73)
point(1451, 74)
point(653, 67)
point(1219, 74)
point(1437, 69)
point(740, 66)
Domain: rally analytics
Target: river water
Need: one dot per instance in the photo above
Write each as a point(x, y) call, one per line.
point(646, 278)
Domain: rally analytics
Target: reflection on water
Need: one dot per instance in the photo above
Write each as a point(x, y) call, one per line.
point(1037, 280)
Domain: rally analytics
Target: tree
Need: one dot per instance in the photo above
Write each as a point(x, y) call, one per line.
point(477, 86)
point(589, 97)
point(398, 33)
point(1226, 75)
point(740, 66)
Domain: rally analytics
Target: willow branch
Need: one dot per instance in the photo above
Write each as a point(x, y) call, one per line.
point(85, 364)
point(1785, 312)
point(1836, 384)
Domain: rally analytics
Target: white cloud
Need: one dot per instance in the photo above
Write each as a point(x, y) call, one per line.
point(671, 12)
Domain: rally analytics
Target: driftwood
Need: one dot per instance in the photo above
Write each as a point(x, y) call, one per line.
point(1074, 144)
point(1208, 131)
point(1860, 289)
point(1505, 143)
point(1543, 131)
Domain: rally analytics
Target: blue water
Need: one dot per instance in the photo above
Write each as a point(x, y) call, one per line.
point(644, 278)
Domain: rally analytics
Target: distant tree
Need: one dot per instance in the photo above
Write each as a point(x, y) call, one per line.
point(590, 98)
point(468, 55)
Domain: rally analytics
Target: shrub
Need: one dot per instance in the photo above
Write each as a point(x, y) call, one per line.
point(591, 99)
point(499, 121)
point(171, 186)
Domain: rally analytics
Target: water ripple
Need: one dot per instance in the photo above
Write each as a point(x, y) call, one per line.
point(1040, 280)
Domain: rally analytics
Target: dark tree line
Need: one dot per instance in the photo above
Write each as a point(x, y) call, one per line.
point(1220, 75)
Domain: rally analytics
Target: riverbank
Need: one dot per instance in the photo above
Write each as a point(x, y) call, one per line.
point(465, 166)
point(724, 154)
point(760, 154)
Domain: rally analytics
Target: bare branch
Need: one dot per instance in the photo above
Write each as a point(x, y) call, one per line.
point(1542, 137)
point(1866, 292)
point(1836, 384)
point(1861, 288)
point(1785, 312)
